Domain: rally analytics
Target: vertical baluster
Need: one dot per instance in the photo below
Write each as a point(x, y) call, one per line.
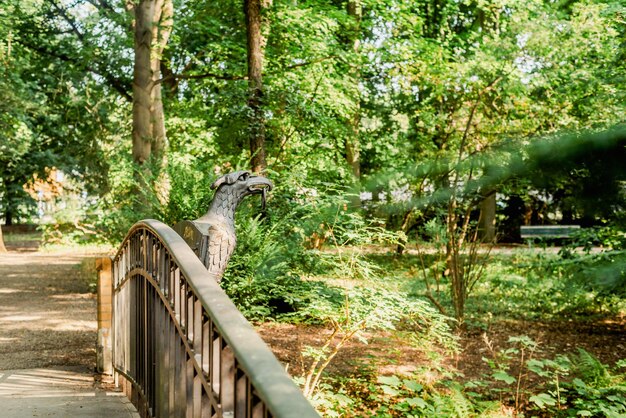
point(189, 328)
point(141, 351)
point(115, 296)
point(215, 353)
point(207, 397)
point(227, 379)
point(241, 394)
point(143, 250)
point(120, 328)
point(127, 321)
point(172, 291)
point(155, 260)
point(136, 330)
point(197, 396)
point(159, 344)
point(189, 375)
point(197, 351)
point(197, 329)
point(127, 261)
point(183, 305)
point(164, 379)
point(134, 246)
point(163, 272)
point(133, 327)
point(176, 294)
point(207, 407)
point(172, 366)
point(168, 277)
point(147, 389)
point(181, 378)
point(205, 345)
point(154, 338)
point(147, 247)
point(258, 411)
point(153, 327)
point(152, 264)
point(189, 315)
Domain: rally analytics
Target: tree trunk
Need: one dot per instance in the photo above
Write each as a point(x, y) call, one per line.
point(355, 11)
point(142, 82)
point(487, 219)
point(8, 217)
point(3, 249)
point(255, 48)
point(453, 260)
point(153, 26)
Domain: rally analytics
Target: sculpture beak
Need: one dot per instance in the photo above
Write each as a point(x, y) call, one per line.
point(260, 185)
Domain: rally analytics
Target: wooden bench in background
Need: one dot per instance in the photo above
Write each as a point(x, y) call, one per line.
point(547, 231)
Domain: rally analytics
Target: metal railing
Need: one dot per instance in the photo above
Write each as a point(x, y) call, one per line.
point(180, 346)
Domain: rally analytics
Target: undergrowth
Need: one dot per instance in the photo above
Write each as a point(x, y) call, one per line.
point(518, 385)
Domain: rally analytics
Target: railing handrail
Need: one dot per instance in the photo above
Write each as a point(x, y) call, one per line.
point(274, 387)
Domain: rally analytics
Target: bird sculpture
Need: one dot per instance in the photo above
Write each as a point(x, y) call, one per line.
point(212, 236)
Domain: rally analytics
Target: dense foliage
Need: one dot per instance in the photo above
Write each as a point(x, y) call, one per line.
point(434, 125)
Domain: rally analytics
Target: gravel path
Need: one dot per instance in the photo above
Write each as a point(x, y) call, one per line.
point(47, 314)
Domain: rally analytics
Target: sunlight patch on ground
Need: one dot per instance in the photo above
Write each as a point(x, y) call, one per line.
point(7, 290)
point(38, 323)
point(26, 259)
point(15, 318)
point(15, 383)
point(74, 296)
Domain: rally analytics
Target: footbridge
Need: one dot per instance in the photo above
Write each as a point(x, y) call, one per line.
point(174, 341)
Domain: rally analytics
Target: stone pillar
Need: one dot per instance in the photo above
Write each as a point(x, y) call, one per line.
point(104, 347)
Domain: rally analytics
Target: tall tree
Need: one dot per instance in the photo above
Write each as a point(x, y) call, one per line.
point(256, 54)
point(355, 13)
point(153, 26)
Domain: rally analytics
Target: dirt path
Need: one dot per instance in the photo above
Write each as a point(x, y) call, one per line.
point(47, 314)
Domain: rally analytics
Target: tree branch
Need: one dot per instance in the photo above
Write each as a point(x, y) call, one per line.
point(115, 83)
point(70, 21)
point(199, 76)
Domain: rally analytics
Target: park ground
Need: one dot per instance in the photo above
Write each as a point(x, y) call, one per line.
point(48, 320)
point(48, 310)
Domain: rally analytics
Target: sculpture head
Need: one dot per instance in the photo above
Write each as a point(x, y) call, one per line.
point(212, 236)
point(241, 184)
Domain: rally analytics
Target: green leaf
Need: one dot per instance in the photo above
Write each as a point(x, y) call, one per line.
point(584, 413)
point(535, 365)
point(392, 381)
point(388, 390)
point(413, 385)
point(504, 377)
point(543, 399)
point(416, 403)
